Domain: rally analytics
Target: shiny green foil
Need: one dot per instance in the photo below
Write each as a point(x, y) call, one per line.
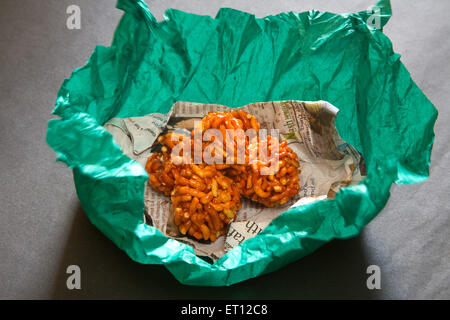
point(235, 59)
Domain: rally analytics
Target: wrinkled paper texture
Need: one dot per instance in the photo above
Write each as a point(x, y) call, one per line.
point(235, 59)
point(326, 162)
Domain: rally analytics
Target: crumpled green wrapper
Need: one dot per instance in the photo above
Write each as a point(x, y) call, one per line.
point(235, 59)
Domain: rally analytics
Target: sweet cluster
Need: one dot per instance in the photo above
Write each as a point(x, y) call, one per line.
point(206, 195)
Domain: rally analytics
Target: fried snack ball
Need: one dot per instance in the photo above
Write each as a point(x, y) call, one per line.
point(223, 121)
point(170, 140)
point(159, 169)
point(204, 201)
point(274, 181)
point(230, 120)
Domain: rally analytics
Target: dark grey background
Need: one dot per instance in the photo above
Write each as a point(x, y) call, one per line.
point(43, 229)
